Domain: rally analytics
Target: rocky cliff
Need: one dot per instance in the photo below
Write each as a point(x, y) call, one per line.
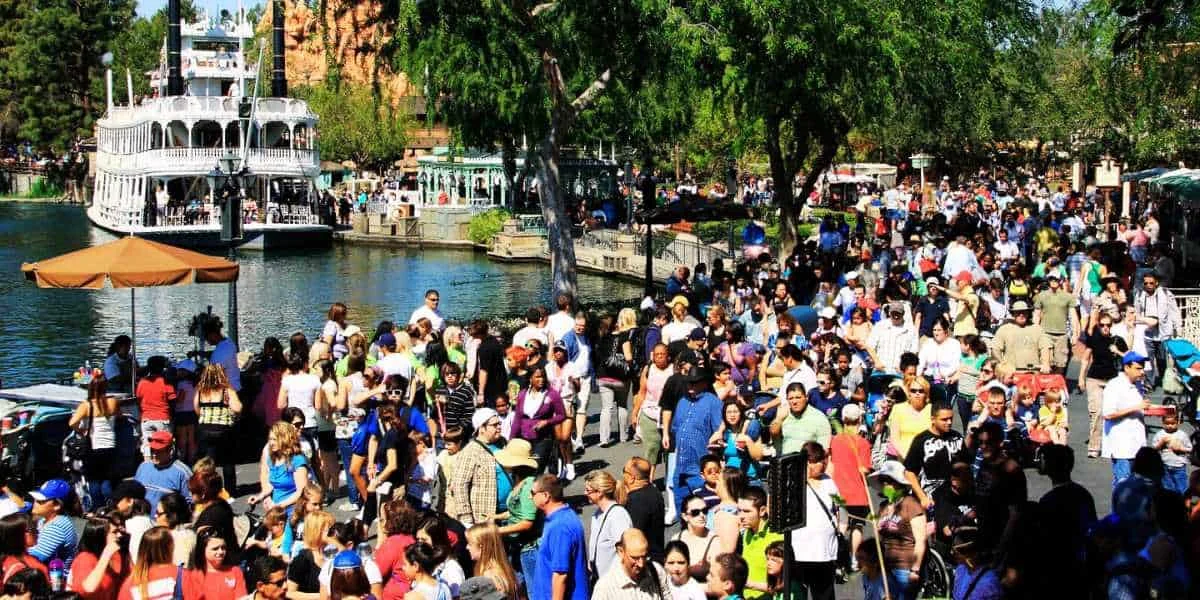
point(348, 35)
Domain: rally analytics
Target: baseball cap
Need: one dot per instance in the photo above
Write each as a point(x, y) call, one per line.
point(828, 313)
point(560, 345)
point(1132, 357)
point(696, 335)
point(347, 559)
point(1053, 275)
point(387, 340)
point(481, 417)
point(851, 275)
point(680, 299)
point(54, 489)
point(161, 439)
point(852, 412)
point(964, 276)
point(895, 308)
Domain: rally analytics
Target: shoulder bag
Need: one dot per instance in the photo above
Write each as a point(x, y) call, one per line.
point(78, 445)
point(842, 562)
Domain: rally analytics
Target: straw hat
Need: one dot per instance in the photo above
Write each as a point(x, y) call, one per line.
point(517, 453)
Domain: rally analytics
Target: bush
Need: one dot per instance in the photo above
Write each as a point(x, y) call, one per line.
point(44, 189)
point(485, 225)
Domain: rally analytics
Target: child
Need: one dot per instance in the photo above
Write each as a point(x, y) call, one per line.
point(453, 439)
point(871, 569)
point(1175, 447)
point(1024, 411)
point(184, 417)
point(1052, 416)
point(274, 522)
point(970, 373)
point(724, 386)
point(423, 475)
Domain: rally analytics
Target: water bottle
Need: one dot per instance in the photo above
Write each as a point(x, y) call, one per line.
point(56, 575)
point(365, 551)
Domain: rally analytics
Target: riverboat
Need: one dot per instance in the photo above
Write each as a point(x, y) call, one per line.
point(155, 157)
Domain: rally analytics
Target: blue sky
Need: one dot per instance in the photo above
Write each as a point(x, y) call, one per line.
point(147, 8)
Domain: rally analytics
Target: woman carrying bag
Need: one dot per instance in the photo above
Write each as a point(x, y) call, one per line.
point(94, 421)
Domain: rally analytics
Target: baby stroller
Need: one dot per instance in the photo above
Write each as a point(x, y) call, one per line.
point(1178, 379)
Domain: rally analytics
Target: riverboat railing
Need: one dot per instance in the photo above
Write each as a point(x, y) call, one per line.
point(205, 159)
point(207, 107)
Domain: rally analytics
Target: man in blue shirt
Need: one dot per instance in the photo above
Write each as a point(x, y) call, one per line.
point(162, 474)
point(696, 417)
point(561, 561)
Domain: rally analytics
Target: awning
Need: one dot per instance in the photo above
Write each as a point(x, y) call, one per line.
point(1144, 174)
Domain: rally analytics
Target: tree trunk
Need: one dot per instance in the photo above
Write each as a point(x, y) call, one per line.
point(784, 199)
point(558, 223)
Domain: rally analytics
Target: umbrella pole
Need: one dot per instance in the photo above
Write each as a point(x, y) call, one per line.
point(133, 339)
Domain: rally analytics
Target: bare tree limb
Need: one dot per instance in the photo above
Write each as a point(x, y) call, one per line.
point(543, 7)
point(585, 99)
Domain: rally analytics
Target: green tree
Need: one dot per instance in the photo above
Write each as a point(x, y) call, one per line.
point(355, 126)
point(58, 47)
point(503, 69)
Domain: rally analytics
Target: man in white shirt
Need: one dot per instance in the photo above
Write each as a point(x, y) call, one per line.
point(798, 370)
point(845, 297)
point(534, 329)
point(429, 310)
point(1006, 250)
point(562, 321)
point(224, 353)
point(1123, 409)
point(390, 361)
point(635, 576)
point(890, 338)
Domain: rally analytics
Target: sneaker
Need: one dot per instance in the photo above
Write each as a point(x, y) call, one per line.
point(577, 444)
point(637, 439)
point(349, 506)
point(607, 444)
point(569, 474)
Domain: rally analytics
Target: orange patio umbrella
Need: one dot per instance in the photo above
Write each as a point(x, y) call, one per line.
point(130, 262)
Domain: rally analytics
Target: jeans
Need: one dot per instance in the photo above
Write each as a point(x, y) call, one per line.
point(1122, 470)
point(529, 560)
point(345, 451)
point(817, 579)
point(1158, 360)
point(966, 409)
point(900, 586)
point(613, 396)
point(1175, 479)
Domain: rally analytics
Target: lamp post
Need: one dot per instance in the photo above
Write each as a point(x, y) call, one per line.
point(628, 176)
point(225, 183)
point(922, 161)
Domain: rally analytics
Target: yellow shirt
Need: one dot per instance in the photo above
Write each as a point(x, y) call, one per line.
point(1049, 418)
point(905, 423)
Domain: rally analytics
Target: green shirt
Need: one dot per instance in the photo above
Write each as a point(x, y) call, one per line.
point(1056, 310)
point(754, 550)
point(810, 426)
point(520, 509)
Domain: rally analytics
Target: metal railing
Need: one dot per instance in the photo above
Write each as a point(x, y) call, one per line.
point(1188, 300)
point(205, 159)
point(666, 247)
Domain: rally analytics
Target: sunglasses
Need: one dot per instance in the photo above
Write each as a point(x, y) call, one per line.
point(695, 512)
point(916, 391)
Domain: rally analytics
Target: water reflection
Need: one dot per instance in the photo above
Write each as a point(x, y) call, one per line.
point(47, 333)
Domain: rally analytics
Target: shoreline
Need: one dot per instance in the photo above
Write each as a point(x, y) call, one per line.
point(43, 200)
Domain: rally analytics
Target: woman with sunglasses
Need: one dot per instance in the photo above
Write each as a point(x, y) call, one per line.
point(910, 417)
point(697, 537)
point(212, 576)
point(103, 560)
point(1101, 353)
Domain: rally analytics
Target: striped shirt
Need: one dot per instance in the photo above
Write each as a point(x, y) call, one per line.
point(56, 539)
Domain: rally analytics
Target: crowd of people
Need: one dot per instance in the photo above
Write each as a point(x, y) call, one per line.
point(916, 363)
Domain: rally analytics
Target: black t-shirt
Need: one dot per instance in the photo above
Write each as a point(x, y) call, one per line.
point(394, 440)
point(930, 457)
point(673, 389)
point(646, 511)
point(490, 358)
point(1068, 512)
point(305, 573)
point(1104, 360)
point(951, 509)
point(929, 309)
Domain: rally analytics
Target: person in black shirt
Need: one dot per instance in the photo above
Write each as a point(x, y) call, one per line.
point(954, 502)
point(491, 377)
point(456, 400)
point(1068, 513)
point(930, 307)
point(645, 504)
point(1102, 366)
point(932, 453)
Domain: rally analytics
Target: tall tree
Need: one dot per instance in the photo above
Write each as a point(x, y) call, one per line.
point(58, 48)
point(504, 69)
point(355, 125)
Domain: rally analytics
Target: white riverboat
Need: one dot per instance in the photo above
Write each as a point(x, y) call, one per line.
point(154, 156)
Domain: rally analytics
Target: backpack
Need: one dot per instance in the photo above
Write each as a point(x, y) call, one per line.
point(637, 339)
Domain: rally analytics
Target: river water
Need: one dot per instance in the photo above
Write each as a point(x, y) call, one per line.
point(46, 333)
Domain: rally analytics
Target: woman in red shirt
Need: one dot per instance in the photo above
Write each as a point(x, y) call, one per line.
point(210, 577)
point(17, 534)
point(399, 525)
point(153, 576)
point(850, 454)
point(154, 396)
point(102, 564)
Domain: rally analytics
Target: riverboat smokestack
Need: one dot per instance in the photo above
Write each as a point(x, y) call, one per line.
point(278, 74)
point(174, 49)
